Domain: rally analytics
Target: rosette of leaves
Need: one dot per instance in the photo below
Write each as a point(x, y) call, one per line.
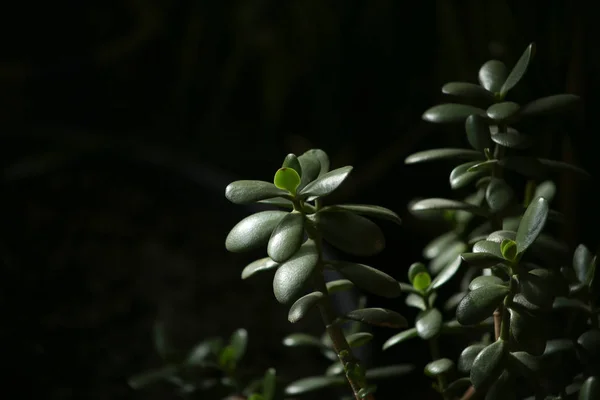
point(294, 235)
point(518, 275)
point(209, 369)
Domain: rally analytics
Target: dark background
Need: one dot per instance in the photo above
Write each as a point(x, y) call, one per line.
point(121, 123)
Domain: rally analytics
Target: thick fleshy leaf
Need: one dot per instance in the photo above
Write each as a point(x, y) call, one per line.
point(447, 273)
point(351, 233)
point(278, 202)
point(479, 304)
point(287, 179)
point(326, 183)
point(302, 339)
point(480, 260)
point(366, 210)
point(457, 387)
point(369, 279)
point(378, 317)
point(538, 287)
point(447, 204)
point(461, 177)
point(503, 388)
point(492, 75)
point(268, 384)
point(546, 189)
point(478, 133)
point(554, 165)
point(359, 339)
point(488, 247)
point(313, 383)
point(467, 89)
point(485, 280)
point(518, 71)
point(499, 194)
point(291, 161)
point(439, 367)
point(526, 166)
point(321, 156)
point(293, 275)
point(582, 263)
point(488, 364)
point(238, 343)
point(287, 237)
point(389, 371)
point(503, 111)
point(443, 154)
point(422, 281)
point(415, 269)
point(400, 337)
point(500, 236)
point(483, 166)
point(590, 389)
point(466, 358)
point(571, 305)
point(532, 223)
point(589, 346)
point(550, 104)
point(260, 265)
point(429, 323)
point(529, 332)
point(253, 231)
point(439, 244)
point(447, 257)
point(339, 285)
point(510, 138)
point(451, 112)
point(335, 369)
point(246, 192)
point(416, 301)
point(311, 167)
point(303, 305)
point(453, 301)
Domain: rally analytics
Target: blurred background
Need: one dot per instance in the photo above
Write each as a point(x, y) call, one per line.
point(121, 123)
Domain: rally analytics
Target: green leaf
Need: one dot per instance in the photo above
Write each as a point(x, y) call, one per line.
point(366, 391)
point(335, 369)
point(429, 323)
point(311, 168)
point(500, 236)
point(447, 204)
point(528, 332)
point(538, 287)
point(339, 285)
point(287, 179)
point(302, 339)
point(488, 365)
point(389, 371)
point(369, 279)
point(322, 157)
point(589, 346)
point(256, 396)
point(499, 195)
point(461, 177)
point(443, 154)
point(238, 343)
point(466, 358)
point(246, 192)
point(546, 189)
point(582, 263)
point(492, 75)
point(439, 244)
point(253, 231)
point(260, 265)
point(287, 237)
point(518, 71)
point(590, 389)
point(549, 104)
point(510, 138)
point(480, 303)
point(147, 378)
point(359, 339)
point(478, 133)
point(483, 166)
point(291, 161)
point(509, 249)
point(503, 111)
point(269, 382)
point(466, 89)
point(571, 305)
point(453, 301)
point(485, 280)
point(313, 383)
point(366, 210)
point(451, 112)
point(351, 233)
point(488, 247)
point(414, 269)
point(304, 304)
point(526, 166)
point(326, 183)
point(447, 273)
point(563, 166)
point(503, 388)
point(458, 387)
point(439, 367)
point(422, 281)
point(400, 337)
point(449, 256)
point(480, 260)
point(532, 223)
point(416, 301)
point(278, 202)
point(378, 317)
point(293, 275)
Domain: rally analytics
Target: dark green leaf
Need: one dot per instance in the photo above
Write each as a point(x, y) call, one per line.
point(446, 273)
point(287, 237)
point(529, 332)
point(416, 301)
point(378, 317)
point(571, 305)
point(447, 257)
point(320, 156)
point(326, 183)
point(439, 367)
point(518, 71)
point(492, 75)
point(442, 154)
point(554, 165)
point(147, 378)
point(485, 280)
point(389, 371)
point(313, 383)
point(503, 388)
point(339, 285)
point(500, 236)
point(488, 365)
point(453, 301)
point(488, 247)
point(260, 265)
point(458, 387)
point(302, 339)
point(359, 339)
point(460, 177)
point(293, 275)
point(510, 138)
point(532, 223)
point(366, 210)
point(451, 112)
point(439, 244)
point(526, 166)
point(311, 168)
point(582, 263)
point(269, 382)
point(546, 189)
point(303, 305)
point(499, 194)
point(466, 89)
point(549, 104)
point(253, 231)
point(291, 161)
point(590, 390)
point(480, 260)
point(429, 323)
point(369, 279)
point(538, 287)
point(278, 202)
point(246, 192)
point(483, 166)
point(400, 337)
point(466, 358)
point(503, 111)
point(238, 343)
point(478, 133)
point(479, 304)
point(351, 233)
point(589, 344)
point(447, 204)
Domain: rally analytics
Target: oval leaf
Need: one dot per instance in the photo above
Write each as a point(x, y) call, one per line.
point(439, 367)
point(291, 277)
point(446, 204)
point(367, 210)
point(443, 154)
point(351, 233)
point(313, 383)
point(480, 260)
point(527, 166)
point(447, 257)
point(528, 332)
point(499, 194)
point(416, 301)
point(369, 279)
point(446, 273)
point(510, 138)
point(311, 168)
point(326, 183)
point(503, 111)
point(503, 388)
point(287, 237)
point(268, 384)
point(291, 161)
point(492, 75)
point(488, 247)
point(518, 71)
point(253, 231)
point(500, 236)
point(582, 263)
point(378, 317)
point(429, 323)
point(359, 339)
point(339, 285)
point(532, 223)
point(246, 192)
point(466, 358)
point(479, 304)
point(590, 389)
point(478, 133)
point(451, 112)
point(238, 343)
point(550, 104)
point(485, 280)
point(466, 89)
point(400, 337)
point(461, 177)
point(439, 244)
point(538, 287)
point(488, 365)
point(287, 179)
point(322, 157)
point(260, 265)
point(302, 339)
point(303, 305)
